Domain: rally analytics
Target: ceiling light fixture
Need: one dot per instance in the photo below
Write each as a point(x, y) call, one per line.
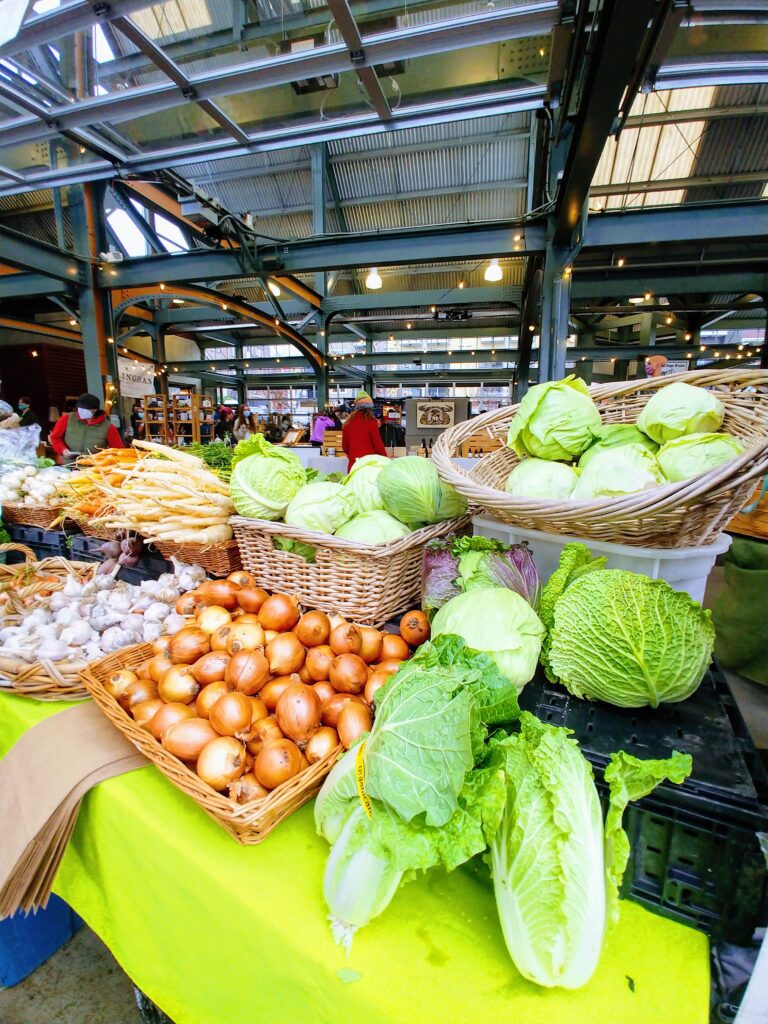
point(274, 289)
point(162, 287)
point(636, 300)
point(517, 238)
point(687, 337)
point(461, 284)
point(669, 320)
point(408, 324)
point(493, 271)
point(373, 281)
point(73, 323)
point(648, 296)
point(531, 327)
point(620, 261)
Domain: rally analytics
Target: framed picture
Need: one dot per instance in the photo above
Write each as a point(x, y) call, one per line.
point(293, 437)
point(433, 414)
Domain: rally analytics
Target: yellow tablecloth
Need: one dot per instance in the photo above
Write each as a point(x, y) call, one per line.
point(216, 933)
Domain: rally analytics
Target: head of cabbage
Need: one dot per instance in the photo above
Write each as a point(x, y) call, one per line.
point(538, 478)
point(678, 409)
point(616, 435)
point(498, 622)
point(624, 638)
point(413, 492)
point(556, 420)
point(375, 527)
point(361, 481)
point(618, 471)
point(322, 507)
point(263, 484)
point(692, 454)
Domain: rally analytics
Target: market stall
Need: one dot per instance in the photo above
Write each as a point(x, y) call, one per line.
point(213, 931)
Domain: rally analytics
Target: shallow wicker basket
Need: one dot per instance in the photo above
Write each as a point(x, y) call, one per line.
point(676, 515)
point(218, 559)
point(249, 823)
point(32, 577)
point(369, 583)
point(31, 515)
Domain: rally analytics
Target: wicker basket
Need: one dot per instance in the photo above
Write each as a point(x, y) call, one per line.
point(32, 515)
point(218, 560)
point(369, 583)
point(676, 515)
point(249, 823)
point(56, 571)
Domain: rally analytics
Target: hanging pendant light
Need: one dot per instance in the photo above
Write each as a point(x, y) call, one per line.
point(493, 271)
point(373, 281)
point(274, 289)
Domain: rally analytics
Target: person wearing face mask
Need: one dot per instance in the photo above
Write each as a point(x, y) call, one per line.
point(245, 424)
point(28, 418)
point(85, 430)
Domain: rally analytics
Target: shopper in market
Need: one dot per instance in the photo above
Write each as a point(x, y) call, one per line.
point(360, 435)
point(27, 416)
point(85, 430)
point(223, 428)
point(323, 421)
point(245, 424)
point(137, 420)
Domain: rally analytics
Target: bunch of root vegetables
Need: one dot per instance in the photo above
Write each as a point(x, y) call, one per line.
point(252, 692)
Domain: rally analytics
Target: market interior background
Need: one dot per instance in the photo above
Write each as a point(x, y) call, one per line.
point(281, 202)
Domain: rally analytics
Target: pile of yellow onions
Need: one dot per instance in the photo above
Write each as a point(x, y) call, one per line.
point(251, 692)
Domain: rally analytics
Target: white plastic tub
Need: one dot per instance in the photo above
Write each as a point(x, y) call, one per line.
point(683, 568)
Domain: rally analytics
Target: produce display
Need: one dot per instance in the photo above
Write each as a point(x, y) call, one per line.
point(29, 485)
point(379, 501)
point(84, 621)
point(250, 691)
point(568, 454)
point(169, 495)
point(84, 493)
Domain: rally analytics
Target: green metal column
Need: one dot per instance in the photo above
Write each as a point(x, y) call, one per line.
point(318, 165)
point(555, 308)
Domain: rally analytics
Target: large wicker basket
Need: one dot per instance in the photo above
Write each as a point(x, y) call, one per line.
point(368, 583)
point(24, 580)
point(676, 515)
point(249, 823)
point(218, 559)
point(31, 515)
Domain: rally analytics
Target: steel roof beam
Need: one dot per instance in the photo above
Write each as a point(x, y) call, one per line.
point(20, 250)
point(72, 17)
point(693, 72)
point(526, 20)
point(350, 33)
point(674, 184)
point(28, 284)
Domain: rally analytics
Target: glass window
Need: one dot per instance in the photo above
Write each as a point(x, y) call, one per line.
point(128, 234)
point(170, 234)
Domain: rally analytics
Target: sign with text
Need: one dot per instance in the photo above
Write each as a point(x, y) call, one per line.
point(136, 379)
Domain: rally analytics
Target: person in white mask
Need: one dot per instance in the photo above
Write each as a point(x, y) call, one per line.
point(85, 430)
point(245, 424)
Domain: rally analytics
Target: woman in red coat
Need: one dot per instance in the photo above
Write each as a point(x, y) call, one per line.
point(360, 435)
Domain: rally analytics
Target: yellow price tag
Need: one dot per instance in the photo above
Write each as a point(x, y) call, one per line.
point(360, 776)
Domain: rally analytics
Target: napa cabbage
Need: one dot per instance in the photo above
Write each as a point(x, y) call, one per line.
point(678, 409)
point(555, 420)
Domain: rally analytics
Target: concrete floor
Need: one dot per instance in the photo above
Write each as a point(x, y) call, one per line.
point(80, 984)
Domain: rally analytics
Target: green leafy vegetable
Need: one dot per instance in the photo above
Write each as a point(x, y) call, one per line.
point(556, 420)
point(678, 409)
point(616, 435)
point(629, 640)
point(499, 623)
point(413, 493)
point(217, 456)
point(617, 471)
point(321, 507)
point(295, 547)
point(376, 527)
point(362, 482)
point(541, 478)
point(575, 560)
point(264, 479)
point(692, 454)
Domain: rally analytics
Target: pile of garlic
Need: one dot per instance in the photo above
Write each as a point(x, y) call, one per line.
point(85, 621)
point(29, 485)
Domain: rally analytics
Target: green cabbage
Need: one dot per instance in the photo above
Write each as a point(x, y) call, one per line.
point(499, 623)
point(413, 492)
point(616, 435)
point(679, 409)
point(618, 471)
point(556, 420)
point(556, 873)
point(264, 482)
point(692, 454)
point(361, 481)
point(626, 639)
point(376, 527)
point(541, 478)
point(322, 507)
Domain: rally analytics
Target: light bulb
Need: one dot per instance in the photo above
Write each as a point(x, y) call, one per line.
point(373, 281)
point(493, 271)
point(620, 261)
point(274, 289)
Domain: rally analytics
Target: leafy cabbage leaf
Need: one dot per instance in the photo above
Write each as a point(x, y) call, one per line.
point(678, 409)
point(542, 478)
point(692, 454)
point(616, 435)
point(614, 472)
point(264, 481)
point(374, 527)
point(361, 481)
point(322, 507)
point(555, 420)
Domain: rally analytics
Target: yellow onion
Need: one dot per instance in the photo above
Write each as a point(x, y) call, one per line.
point(370, 650)
point(331, 708)
point(178, 685)
point(138, 692)
point(157, 666)
point(414, 627)
point(167, 715)
point(313, 629)
point(245, 636)
point(247, 671)
point(324, 690)
point(354, 720)
point(220, 636)
point(321, 743)
point(375, 682)
point(185, 739)
point(221, 592)
point(189, 644)
point(117, 682)
point(279, 612)
point(145, 711)
point(188, 603)
point(277, 762)
point(298, 712)
point(319, 662)
point(208, 697)
point(231, 715)
point(393, 646)
point(250, 599)
point(264, 731)
point(259, 710)
point(211, 617)
point(242, 578)
point(285, 654)
point(211, 667)
point(246, 789)
point(348, 674)
point(220, 762)
point(161, 645)
point(346, 639)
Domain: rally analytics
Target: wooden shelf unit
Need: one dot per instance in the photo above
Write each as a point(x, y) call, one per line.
point(189, 414)
point(156, 418)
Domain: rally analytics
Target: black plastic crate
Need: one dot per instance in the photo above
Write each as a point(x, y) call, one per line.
point(45, 543)
point(150, 565)
point(695, 855)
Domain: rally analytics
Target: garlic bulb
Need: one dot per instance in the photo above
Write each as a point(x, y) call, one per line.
point(114, 638)
point(174, 622)
point(156, 612)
